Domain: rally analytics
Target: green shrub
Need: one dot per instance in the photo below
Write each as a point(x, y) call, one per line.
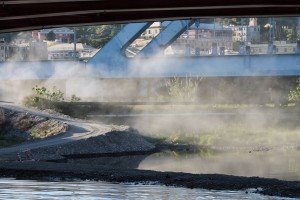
point(74, 98)
point(55, 94)
point(294, 95)
point(44, 98)
point(183, 89)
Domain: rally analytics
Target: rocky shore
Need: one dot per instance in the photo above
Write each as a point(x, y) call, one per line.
point(83, 138)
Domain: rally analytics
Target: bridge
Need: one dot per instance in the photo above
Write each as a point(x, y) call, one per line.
point(17, 15)
point(111, 62)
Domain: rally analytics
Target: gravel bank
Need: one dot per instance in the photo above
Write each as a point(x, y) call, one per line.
point(111, 142)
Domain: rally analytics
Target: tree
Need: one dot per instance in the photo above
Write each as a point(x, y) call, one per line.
point(8, 37)
point(292, 34)
point(51, 36)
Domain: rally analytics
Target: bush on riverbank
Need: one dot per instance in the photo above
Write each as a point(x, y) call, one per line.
point(294, 95)
point(53, 99)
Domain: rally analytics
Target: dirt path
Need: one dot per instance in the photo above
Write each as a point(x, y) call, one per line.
point(79, 129)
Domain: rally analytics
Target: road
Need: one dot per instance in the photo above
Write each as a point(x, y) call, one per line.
point(78, 129)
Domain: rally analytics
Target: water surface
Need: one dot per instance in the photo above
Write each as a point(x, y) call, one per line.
point(29, 190)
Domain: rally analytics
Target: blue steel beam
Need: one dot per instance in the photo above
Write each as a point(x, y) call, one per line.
point(163, 67)
point(111, 61)
point(111, 58)
point(166, 37)
point(217, 66)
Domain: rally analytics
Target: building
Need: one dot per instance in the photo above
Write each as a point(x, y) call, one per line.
point(64, 34)
point(13, 52)
point(38, 51)
point(280, 47)
point(154, 30)
point(5, 50)
point(199, 40)
point(248, 34)
point(65, 51)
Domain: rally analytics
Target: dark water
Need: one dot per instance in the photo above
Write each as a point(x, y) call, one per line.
point(29, 190)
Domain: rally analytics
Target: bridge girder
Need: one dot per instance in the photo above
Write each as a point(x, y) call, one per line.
point(17, 15)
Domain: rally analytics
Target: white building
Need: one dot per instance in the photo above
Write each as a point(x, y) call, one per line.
point(4, 51)
point(281, 47)
point(65, 51)
point(249, 33)
point(13, 52)
point(154, 30)
point(38, 51)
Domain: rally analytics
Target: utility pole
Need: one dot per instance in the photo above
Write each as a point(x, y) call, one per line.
point(298, 28)
point(270, 30)
point(75, 41)
point(298, 41)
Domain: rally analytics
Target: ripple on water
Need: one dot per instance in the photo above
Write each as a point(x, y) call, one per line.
point(28, 189)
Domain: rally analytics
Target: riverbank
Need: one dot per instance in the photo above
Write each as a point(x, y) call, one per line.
point(80, 136)
point(85, 138)
point(66, 171)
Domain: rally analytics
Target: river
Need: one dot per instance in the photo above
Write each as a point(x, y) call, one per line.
point(88, 190)
point(279, 162)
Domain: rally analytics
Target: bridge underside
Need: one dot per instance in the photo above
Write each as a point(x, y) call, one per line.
point(16, 15)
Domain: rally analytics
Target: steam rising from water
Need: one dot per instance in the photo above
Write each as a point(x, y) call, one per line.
point(86, 82)
point(244, 128)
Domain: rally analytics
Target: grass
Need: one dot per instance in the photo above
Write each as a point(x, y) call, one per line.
point(231, 137)
point(231, 133)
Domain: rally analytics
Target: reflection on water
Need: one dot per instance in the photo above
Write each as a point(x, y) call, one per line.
point(277, 164)
point(28, 190)
point(243, 132)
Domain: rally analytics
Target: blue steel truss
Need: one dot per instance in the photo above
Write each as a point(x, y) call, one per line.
point(111, 61)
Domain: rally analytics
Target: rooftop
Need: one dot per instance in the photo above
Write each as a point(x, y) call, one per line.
point(70, 47)
point(63, 30)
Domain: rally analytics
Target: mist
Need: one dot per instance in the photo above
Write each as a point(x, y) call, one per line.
point(219, 95)
point(247, 115)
